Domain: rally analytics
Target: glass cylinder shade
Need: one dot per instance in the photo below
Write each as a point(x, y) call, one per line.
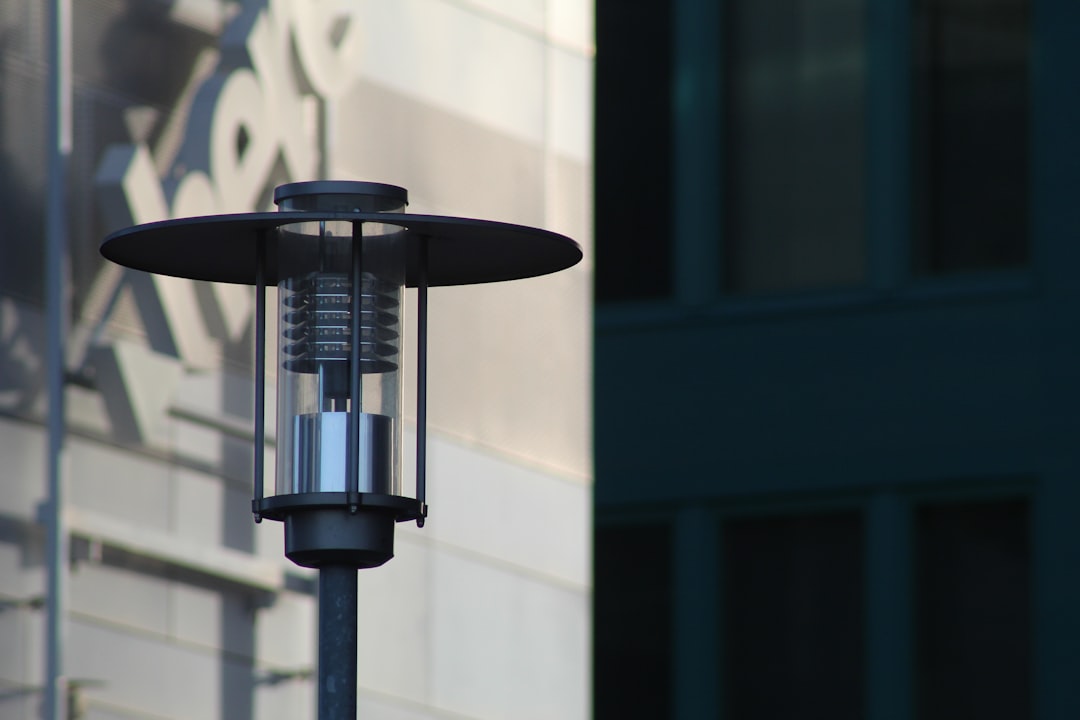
point(339, 355)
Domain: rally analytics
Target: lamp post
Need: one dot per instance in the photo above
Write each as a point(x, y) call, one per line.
point(341, 254)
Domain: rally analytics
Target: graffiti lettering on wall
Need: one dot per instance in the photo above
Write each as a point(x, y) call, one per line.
point(255, 117)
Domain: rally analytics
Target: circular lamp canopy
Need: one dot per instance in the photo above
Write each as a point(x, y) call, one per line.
point(223, 248)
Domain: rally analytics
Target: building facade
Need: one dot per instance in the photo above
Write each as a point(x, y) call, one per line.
point(174, 604)
point(836, 350)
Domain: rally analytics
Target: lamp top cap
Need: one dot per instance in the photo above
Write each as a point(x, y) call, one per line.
point(341, 196)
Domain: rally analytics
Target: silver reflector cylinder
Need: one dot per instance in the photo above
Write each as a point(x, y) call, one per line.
point(320, 460)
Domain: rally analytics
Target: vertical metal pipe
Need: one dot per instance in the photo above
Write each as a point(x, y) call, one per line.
point(352, 481)
point(260, 371)
point(56, 286)
point(337, 642)
point(421, 379)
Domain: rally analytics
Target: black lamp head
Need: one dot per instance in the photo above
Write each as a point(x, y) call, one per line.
point(341, 254)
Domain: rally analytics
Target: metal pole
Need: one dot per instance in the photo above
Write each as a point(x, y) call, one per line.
point(337, 642)
point(56, 285)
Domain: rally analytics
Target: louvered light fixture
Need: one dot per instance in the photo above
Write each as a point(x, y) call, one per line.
point(341, 254)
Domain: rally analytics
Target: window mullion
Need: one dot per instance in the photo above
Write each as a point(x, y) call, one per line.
point(889, 142)
point(889, 609)
point(696, 140)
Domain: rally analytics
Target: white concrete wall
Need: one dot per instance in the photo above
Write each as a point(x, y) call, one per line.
point(483, 110)
point(180, 608)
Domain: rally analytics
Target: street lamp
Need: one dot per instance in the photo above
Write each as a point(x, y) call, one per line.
point(341, 254)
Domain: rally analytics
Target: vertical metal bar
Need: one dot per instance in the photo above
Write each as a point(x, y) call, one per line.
point(421, 380)
point(355, 384)
point(260, 372)
point(337, 642)
point(327, 401)
point(56, 286)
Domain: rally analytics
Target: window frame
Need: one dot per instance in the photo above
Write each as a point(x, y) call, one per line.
point(697, 190)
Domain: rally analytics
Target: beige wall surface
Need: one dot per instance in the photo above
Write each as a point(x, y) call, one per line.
point(178, 605)
point(510, 363)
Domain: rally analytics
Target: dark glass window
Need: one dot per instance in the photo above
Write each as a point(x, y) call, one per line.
point(633, 150)
point(973, 626)
point(793, 617)
point(971, 134)
point(794, 115)
point(632, 622)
